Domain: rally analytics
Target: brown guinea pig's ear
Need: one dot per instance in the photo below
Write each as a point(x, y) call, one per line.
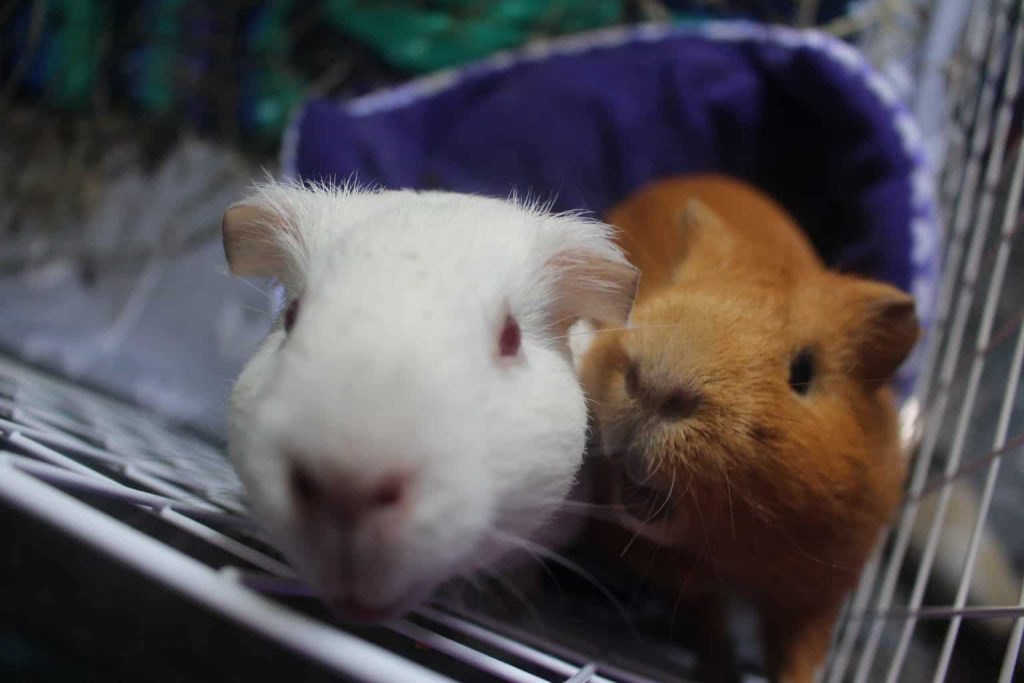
point(701, 225)
point(695, 215)
point(885, 331)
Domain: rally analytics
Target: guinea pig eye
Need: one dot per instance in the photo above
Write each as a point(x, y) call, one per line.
point(680, 404)
point(290, 314)
point(801, 371)
point(510, 339)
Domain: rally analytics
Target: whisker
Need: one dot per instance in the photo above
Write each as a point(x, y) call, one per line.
point(728, 491)
point(647, 571)
point(563, 505)
point(809, 556)
point(620, 329)
point(555, 323)
point(651, 516)
point(264, 291)
point(262, 312)
point(508, 585)
point(541, 551)
point(583, 505)
point(454, 597)
point(544, 566)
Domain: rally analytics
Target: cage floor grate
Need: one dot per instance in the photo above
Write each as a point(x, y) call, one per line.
point(63, 447)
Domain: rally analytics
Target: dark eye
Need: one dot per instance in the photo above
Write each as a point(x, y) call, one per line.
point(510, 339)
point(680, 404)
point(290, 314)
point(801, 371)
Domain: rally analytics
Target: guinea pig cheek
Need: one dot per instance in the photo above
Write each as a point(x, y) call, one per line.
point(259, 467)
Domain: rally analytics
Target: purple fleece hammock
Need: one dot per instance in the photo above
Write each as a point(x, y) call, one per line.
point(588, 119)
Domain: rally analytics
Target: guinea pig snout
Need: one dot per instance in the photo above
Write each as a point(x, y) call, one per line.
point(677, 401)
point(348, 496)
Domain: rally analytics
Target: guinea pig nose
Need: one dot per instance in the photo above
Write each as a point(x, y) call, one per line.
point(304, 487)
point(371, 496)
point(388, 491)
point(680, 404)
point(349, 496)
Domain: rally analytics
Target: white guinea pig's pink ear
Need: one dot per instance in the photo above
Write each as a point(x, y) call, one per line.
point(594, 281)
point(253, 241)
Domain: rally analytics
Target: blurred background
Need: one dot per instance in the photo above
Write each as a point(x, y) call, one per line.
point(128, 126)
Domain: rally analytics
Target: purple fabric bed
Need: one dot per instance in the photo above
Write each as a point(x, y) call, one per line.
point(587, 120)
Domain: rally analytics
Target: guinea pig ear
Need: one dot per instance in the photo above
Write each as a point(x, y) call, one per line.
point(699, 224)
point(593, 279)
point(695, 214)
point(886, 331)
point(250, 250)
point(259, 235)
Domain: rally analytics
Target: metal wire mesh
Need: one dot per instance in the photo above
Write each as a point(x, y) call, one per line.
point(972, 368)
point(63, 447)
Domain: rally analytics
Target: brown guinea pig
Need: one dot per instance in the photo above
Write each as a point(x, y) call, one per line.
point(748, 404)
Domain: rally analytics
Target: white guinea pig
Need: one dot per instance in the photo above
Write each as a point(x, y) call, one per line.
point(415, 409)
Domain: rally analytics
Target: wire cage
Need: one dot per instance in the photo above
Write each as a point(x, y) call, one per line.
point(131, 552)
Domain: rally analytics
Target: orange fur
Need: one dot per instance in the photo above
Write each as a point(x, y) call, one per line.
point(777, 495)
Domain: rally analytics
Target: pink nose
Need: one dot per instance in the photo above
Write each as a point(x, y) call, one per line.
point(351, 497)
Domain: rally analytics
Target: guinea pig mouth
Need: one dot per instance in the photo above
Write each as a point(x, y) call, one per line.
point(642, 500)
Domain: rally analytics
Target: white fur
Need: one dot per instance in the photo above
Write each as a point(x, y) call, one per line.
point(393, 363)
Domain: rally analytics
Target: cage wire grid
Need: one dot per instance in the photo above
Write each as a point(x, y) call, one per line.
point(63, 447)
point(985, 168)
point(58, 439)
